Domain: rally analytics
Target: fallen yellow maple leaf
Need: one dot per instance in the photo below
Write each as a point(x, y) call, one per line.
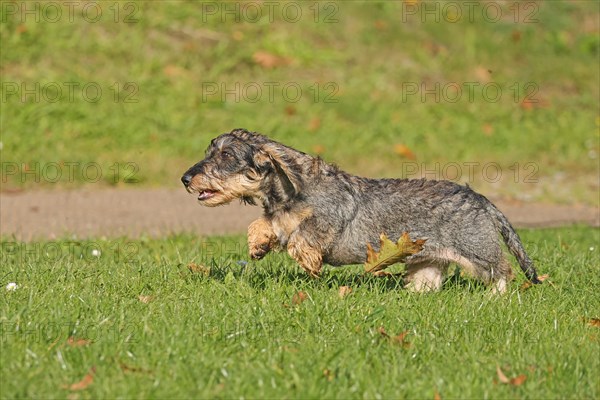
point(390, 252)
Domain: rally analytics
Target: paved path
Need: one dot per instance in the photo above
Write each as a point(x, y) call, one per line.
point(31, 215)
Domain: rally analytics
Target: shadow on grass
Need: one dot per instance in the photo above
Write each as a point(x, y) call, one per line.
point(262, 274)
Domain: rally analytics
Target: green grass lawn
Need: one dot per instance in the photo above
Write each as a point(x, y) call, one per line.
point(159, 64)
point(235, 330)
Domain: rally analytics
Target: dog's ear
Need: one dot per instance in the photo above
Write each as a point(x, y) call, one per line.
point(270, 154)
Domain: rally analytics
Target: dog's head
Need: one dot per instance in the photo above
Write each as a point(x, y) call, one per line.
point(242, 165)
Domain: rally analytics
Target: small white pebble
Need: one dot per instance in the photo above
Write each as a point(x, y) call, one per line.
point(12, 286)
point(592, 248)
point(96, 253)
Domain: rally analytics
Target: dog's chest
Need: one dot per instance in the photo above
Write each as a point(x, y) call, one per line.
point(286, 223)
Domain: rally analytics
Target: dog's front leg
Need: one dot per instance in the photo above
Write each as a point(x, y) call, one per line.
point(261, 238)
point(306, 254)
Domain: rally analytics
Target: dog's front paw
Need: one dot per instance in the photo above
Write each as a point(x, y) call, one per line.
point(314, 274)
point(258, 251)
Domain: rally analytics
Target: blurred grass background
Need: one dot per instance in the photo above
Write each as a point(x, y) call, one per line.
point(354, 62)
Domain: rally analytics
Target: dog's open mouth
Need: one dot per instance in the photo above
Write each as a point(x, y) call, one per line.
point(206, 194)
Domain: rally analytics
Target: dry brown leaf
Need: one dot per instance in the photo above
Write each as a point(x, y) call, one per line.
point(173, 71)
point(299, 297)
point(501, 377)
point(542, 278)
point(328, 374)
point(290, 110)
point(527, 105)
point(390, 252)
point(516, 36)
point(127, 368)
point(237, 35)
point(314, 124)
point(526, 285)
point(400, 337)
point(344, 291)
point(530, 104)
point(483, 74)
point(380, 25)
point(516, 381)
point(269, 60)
point(436, 396)
point(87, 380)
point(519, 380)
point(318, 149)
point(145, 299)
point(400, 340)
point(199, 269)
point(488, 129)
point(71, 341)
point(382, 332)
point(404, 151)
point(594, 322)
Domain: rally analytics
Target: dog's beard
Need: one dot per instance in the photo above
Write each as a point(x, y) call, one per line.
point(216, 192)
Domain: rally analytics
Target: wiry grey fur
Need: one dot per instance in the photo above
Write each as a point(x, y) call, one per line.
point(337, 214)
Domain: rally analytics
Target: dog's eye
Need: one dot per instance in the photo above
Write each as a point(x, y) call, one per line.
point(225, 154)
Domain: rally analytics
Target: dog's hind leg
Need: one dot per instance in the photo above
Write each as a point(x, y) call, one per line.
point(425, 276)
point(261, 238)
point(500, 276)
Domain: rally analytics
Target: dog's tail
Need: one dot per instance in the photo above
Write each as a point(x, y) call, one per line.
point(513, 242)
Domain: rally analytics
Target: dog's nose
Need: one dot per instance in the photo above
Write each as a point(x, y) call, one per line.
point(186, 179)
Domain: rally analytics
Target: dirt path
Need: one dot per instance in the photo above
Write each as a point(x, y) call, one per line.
point(155, 212)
